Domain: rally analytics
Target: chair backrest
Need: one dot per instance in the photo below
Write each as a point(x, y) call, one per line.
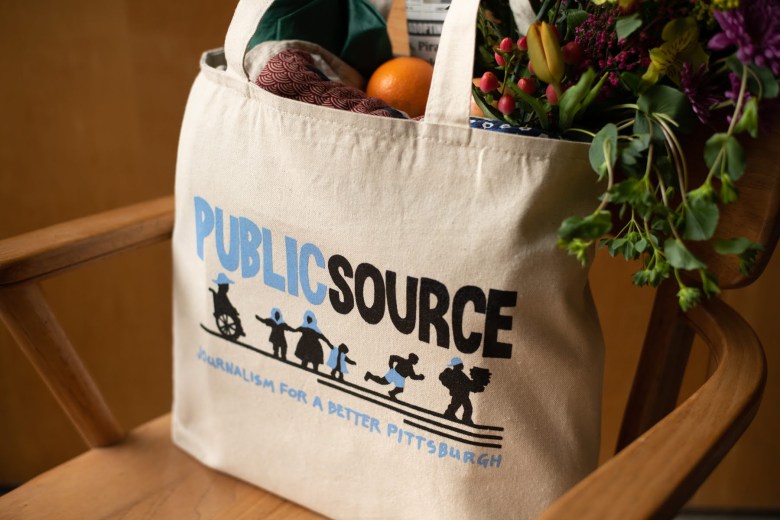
point(668, 340)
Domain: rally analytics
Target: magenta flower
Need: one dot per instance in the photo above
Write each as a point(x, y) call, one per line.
point(700, 91)
point(754, 29)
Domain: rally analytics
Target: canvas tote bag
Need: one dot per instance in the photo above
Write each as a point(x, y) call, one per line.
point(371, 316)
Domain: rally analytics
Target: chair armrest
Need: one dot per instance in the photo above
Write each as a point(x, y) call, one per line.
point(60, 247)
point(655, 475)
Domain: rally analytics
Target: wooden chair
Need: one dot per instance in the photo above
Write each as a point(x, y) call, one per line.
point(662, 457)
point(664, 453)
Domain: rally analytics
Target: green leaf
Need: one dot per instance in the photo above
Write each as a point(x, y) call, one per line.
point(713, 147)
point(586, 228)
point(701, 218)
point(735, 157)
point(736, 246)
point(769, 86)
point(536, 105)
point(688, 298)
point(571, 100)
point(626, 25)
point(709, 284)
point(679, 257)
point(749, 120)
point(574, 17)
point(634, 192)
point(603, 150)
point(485, 107)
point(745, 249)
point(769, 83)
point(642, 126)
point(721, 147)
point(630, 82)
point(631, 153)
point(662, 99)
point(728, 191)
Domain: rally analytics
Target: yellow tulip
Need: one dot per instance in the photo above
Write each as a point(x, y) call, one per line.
point(545, 54)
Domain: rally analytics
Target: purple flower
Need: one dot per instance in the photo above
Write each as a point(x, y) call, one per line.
point(733, 94)
point(754, 28)
point(701, 92)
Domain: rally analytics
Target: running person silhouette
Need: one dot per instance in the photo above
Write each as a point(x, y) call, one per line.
point(400, 369)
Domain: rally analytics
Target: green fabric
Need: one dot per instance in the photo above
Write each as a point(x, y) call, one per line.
point(351, 29)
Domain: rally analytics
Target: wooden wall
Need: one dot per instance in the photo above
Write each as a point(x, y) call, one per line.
point(91, 98)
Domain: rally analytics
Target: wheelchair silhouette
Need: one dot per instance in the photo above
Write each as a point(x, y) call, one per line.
point(226, 316)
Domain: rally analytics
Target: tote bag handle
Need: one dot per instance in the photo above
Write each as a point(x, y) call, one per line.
point(450, 93)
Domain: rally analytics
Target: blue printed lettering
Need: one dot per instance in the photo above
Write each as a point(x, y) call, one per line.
point(228, 258)
point(443, 450)
point(250, 242)
point(315, 296)
point(291, 246)
point(204, 223)
point(270, 278)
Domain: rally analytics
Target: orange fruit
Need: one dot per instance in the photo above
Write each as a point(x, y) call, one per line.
point(402, 83)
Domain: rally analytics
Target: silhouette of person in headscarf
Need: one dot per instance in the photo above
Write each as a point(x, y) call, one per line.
point(223, 307)
point(309, 349)
point(338, 361)
point(278, 326)
point(400, 369)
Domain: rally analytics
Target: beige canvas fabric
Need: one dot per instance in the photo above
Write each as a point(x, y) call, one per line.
point(428, 250)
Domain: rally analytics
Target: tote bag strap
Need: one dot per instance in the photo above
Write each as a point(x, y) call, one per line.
point(449, 97)
point(243, 26)
point(450, 93)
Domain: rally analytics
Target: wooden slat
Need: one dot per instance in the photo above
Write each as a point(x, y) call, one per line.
point(655, 475)
point(49, 251)
point(661, 367)
point(144, 477)
point(25, 312)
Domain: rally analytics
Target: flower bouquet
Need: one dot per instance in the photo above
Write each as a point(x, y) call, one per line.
point(633, 77)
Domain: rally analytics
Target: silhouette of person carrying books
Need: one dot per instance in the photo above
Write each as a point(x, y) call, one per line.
point(278, 327)
point(228, 322)
point(309, 349)
point(400, 369)
point(460, 386)
point(338, 361)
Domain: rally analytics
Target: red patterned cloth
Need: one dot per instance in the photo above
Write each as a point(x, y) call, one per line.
point(292, 74)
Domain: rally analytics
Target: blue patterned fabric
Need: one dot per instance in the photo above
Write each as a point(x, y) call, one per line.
point(494, 125)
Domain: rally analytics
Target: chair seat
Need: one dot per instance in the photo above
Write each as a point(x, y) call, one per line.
point(145, 476)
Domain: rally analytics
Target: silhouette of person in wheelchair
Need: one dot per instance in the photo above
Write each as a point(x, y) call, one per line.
point(228, 322)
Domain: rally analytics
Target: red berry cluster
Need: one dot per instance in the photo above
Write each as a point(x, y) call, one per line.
point(509, 54)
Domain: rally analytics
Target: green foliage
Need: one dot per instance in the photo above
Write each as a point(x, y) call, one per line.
point(724, 154)
point(701, 214)
point(749, 120)
point(587, 228)
point(634, 129)
point(603, 150)
point(745, 249)
point(662, 99)
point(680, 257)
point(627, 25)
point(576, 100)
